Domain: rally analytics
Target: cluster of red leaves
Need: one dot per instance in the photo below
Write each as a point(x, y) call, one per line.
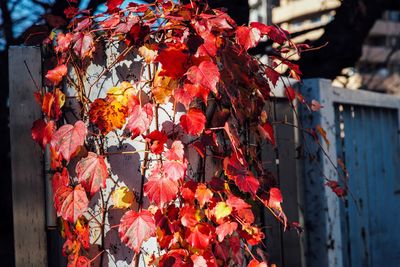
point(200, 56)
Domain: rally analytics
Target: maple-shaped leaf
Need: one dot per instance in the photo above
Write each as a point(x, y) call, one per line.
point(274, 33)
point(315, 105)
point(173, 58)
point(125, 94)
point(175, 152)
point(140, 119)
point(227, 228)
point(42, 132)
point(107, 116)
point(156, 141)
point(70, 203)
point(203, 194)
point(162, 89)
point(63, 42)
point(188, 216)
point(59, 180)
point(174, 170)
point(69, 138)
point(237, 203)
point(199, 236)
point(221, 210)
point(136, 227)
point(336, 188)
point(206, 74)
point(247, 37)
point(92, 172)
point(193, 122)
point(267, 132)
point(239, 173)
point(160, 189)
point(84, 44)
point(185, 94)
point(122, 198)
point(56, 75)
point(272, 75)
point(256, 263)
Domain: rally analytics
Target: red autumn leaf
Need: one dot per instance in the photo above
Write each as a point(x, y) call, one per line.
point(206, 75)
point(334, 185)
point(272, 75)
point(70, 203)
point(240, 174)
point(274, 33)
point(136, 227)
point(315, 105)
point(42, 132)
point(267, 132)
point(82, 261)
point(186, 94)
point(63, 42)
point(70, 12)
point(247, 37)
point(193, 122)
point(92, 172)
point(160, 189)
point(208, 48)
point(107, 116)
point(203, 194)
point(60, 180)
point(174, 59)
point(248, 183)
point(227, 228)
point(56, 75)
point(68, 139)
point(113, 4)
point(176, 151)
point(188, 216)
point(156, 140)
point(275, 198)
point(199, 236)
point(140, 119)
point(256, 263)
point(174, 170)
point(237, 203)
point(84, 45)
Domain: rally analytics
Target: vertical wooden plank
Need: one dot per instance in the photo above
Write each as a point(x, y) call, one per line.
point(323, 223)
point(26, 159)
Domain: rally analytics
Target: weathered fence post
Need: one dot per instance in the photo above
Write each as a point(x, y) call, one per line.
point(28, 189)
point(322, 208)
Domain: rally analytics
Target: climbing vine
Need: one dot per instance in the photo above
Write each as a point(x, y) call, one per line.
point(198, 111)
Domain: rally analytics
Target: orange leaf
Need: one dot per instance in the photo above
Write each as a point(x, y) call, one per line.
point(107, 116)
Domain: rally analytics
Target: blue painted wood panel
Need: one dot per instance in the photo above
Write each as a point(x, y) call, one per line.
point(367, 140)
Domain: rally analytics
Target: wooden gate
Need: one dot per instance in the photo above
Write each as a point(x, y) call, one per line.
point(363, 128)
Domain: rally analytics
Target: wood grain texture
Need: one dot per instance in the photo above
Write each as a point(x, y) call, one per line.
point(27, 160)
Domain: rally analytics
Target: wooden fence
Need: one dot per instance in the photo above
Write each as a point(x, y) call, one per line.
point(363, 131)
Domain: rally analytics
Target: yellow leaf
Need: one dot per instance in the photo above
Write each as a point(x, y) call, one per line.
point(122, 93)
point(60, 97)
point(222, 210)
point(163, 87)
point(122, 198)
point(148, 52)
